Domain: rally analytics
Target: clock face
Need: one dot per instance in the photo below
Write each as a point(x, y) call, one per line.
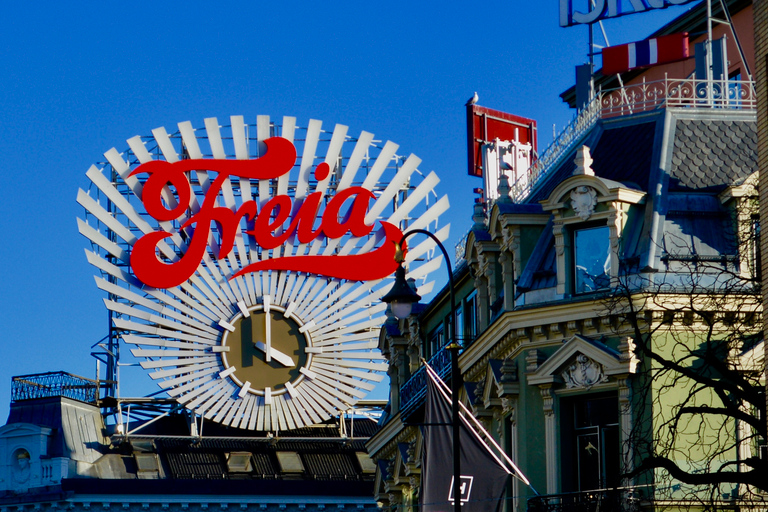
point(266, 352)
point(244, 264)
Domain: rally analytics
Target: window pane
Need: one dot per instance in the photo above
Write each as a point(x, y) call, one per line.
point(591, 254)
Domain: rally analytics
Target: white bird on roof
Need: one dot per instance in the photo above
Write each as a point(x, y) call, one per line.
point(472, 100)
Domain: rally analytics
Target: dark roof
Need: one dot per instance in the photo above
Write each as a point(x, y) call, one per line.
point(621, 151)
point(712, 153)
point(541, 270)
point(323, 453)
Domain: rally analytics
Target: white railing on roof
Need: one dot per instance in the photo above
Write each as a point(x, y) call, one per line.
point(582, 122)
point(633, 99)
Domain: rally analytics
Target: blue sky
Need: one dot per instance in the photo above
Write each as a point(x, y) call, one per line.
point(81, 78)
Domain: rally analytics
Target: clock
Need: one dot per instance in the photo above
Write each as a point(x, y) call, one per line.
point(244, 264)
point(267, 350)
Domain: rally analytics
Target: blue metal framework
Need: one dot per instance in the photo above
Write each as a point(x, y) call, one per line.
point(54, 384)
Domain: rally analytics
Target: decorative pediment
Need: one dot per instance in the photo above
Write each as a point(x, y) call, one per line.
point(13, 430)
point(580, 363)
point(583, 191)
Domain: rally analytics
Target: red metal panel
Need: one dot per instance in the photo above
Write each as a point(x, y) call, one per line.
point(485, 125)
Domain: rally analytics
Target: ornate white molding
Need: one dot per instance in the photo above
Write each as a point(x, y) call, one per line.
point(583, 373)
point(584, 201)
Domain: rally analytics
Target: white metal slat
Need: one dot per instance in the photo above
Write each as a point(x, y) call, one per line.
point(325, 398)
point(349, 381)
point(102, 241)
point(241, 257)
point(371, 376)
point(173, 309)
point(353, 165)
point(123, 169)
point(200, 383)
point(431, 215)
point(397, 183)
point(214, 137)
point(196, 397)
point(111, 269)
point(359, 336)
point(228, 407)
point(153, 317)
point(312, 408)
point(297, 411)
point(216, 402)
point(302, 187)
point(331, 157)
point(382, 162)
point(236, 412)
point(308, 157)
point(260, 414)
point(139, 149)
point(378, 367)
point(331, 323)
point(342, 392)
point(105, 217)
point(177, 362)
point(189, 139)
point(189, 377)
point(103, 184)
point(262, 134)
point(165, 144)
point(321, 313)
point(253, 411)
point(143, 156)
point(427, 245)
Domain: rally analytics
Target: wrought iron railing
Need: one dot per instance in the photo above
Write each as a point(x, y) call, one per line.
point(615, 500)
point(413, 392)
point(678, 92)
point(53, 384)
point(579, 125)
point(633, 99)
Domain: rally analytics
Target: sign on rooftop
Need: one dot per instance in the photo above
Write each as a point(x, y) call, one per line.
point(577, 12)
point(245, 263)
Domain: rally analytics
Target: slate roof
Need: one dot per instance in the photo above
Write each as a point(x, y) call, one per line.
point(707, 150)
point(621, 152)
point(712, 154)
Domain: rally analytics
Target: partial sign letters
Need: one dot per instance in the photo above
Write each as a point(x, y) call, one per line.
point(602, 9)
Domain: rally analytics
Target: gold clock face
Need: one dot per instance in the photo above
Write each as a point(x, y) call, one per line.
point(265, 350)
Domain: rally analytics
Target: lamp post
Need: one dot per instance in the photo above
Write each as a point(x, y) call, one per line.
point(401, 299)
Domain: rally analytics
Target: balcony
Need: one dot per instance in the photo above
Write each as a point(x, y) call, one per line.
point(414, 391)
point(633, 99)
point(616, 500)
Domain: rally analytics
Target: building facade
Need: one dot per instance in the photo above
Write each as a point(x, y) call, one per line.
point(608, 305)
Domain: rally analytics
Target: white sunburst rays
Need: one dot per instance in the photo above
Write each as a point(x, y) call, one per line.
point(178, 329)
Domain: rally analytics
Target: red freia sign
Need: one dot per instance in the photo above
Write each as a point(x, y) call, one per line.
point(267, 225)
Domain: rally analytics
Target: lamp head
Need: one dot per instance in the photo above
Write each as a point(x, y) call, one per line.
point(401, 296)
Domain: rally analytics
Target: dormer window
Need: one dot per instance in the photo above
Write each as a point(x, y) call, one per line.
point(591, 259)
point(589, 216)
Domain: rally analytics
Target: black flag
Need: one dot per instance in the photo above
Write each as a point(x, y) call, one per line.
point(483, 479)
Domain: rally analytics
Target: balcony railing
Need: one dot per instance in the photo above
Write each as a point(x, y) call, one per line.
point(633, 99)
point(615, 500)
point(413, 392)
point(53, 384)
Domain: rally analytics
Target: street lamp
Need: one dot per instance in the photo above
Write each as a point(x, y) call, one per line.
point(401, 299)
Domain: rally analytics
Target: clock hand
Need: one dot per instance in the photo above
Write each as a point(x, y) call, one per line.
point(268, 328)
point(283, 359)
